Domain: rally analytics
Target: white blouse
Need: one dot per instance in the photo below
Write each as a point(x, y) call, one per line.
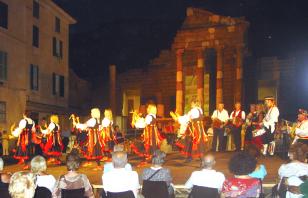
point(47, 181)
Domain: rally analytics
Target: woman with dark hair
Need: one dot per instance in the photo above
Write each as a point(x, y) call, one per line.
point(157, 173)
point(242, 185)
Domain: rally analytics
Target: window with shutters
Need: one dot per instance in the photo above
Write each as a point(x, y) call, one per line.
point(36, 9)
point(58, 85)
point(3, 66)
point(34, 77)
point(57, 48)
point(3, 15)
point(2, 111)
point(35, 36)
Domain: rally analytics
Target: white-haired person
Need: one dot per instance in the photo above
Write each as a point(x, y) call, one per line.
point(93, 149)
point(107, 131)
point(109, 165)
point(4, 177)
point(38, 167)
point(22, 185)
point(119, 179)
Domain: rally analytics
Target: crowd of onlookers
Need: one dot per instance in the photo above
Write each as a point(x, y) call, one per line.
point(119, 180)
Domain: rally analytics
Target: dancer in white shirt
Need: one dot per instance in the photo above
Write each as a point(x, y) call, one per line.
point(238, 117)
point(301, 130)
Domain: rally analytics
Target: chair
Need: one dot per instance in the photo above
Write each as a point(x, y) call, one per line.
point(126, 194)
point(73, 193)
point(203, 192)
point(42, 192)
point(4, 192)
point(155, 189)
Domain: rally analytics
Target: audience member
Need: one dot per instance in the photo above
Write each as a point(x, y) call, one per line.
point(109, 165)
point(161, 174)
point(72, 179)
point(39, 167)
point(120, 179)
point(242, 185)
point(260, 171)
point(4, 177)
point(22, 185)
point(207, 177)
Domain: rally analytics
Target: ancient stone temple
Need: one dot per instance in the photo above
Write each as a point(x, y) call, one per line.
point(204, 61)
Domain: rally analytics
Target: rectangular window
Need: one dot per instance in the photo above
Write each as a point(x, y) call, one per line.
point(3, 15)
point(3, 66)
point(34, 77)
point(2, 111)
point(35, 36)
point(57, 47)
point(57, 25)
point(58, 85)
point(36, 9)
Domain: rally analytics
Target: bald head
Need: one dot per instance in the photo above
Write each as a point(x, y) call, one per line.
point(208, 161)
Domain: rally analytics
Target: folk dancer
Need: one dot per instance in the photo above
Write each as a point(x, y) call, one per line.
point(301, 130)
point(237, 117)
point(251, 122)
point(220, 118)
point(195, 135)
point(24, 134)
point(53, 147)
point(107, 131)
point(269, 126)
point(93, 149)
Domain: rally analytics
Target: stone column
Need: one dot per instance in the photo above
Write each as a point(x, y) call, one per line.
point(219, 75)
point(200, 76)
point(179, 81)
point(112, 88)
point(239, 73)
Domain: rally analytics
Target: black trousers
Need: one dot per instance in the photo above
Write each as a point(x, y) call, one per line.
point(218, 133)
point(237, 137)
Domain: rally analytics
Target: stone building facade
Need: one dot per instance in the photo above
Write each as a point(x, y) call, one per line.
point(205, 61)
point(34, 67)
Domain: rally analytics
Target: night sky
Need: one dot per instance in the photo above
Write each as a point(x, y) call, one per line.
point(129, 33)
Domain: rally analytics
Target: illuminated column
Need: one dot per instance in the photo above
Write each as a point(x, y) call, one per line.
point(112, 92)
point(219, 75)
point(200, 76)
point(239, 73)
point(179, 81)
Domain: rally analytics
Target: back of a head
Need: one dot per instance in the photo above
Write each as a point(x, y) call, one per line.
point(208, 161)
point(299, 151)
point(242, 163)
point(72, 161)
point(119, 159)
point(22, 185)
point(38, 164)
point(252, 150)
point(1, 164)
point(118, 147)
point(158, 157)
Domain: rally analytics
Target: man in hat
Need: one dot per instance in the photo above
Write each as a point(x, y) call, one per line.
point(301, 130)
point(268, 129)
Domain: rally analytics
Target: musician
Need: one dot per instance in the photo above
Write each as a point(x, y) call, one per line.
point(251, 122)
point(269, 126)
point(151, 136)
point(301, 130)
point(220, 117)
point(53, 147)
point(92, 150)
point(237, 116)
point(107, 130)
point(24, 133)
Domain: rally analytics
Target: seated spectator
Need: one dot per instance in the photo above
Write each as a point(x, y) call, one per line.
point(242, 185)
point(109, 165)
point(161, 174)
point(73, 180)
point(4, 177)
point(22, 185)
point(39, 167)
point(120, 179)
point(296, 168)
point(260, 171)
point(207, 177)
